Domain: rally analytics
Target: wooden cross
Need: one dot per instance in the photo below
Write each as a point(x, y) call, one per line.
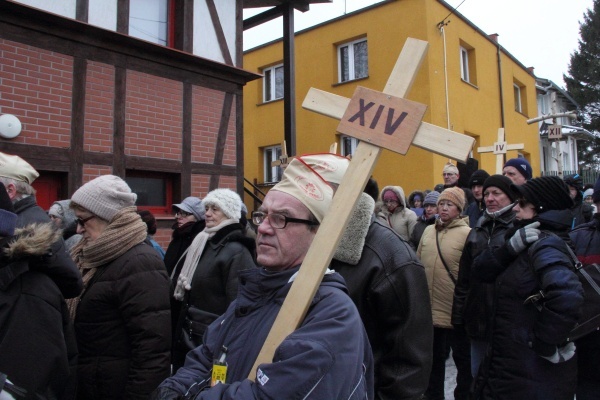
point(499, 149)
point(394, 130)
point(284, 160)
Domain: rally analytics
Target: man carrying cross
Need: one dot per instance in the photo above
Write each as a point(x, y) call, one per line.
point(328, 356)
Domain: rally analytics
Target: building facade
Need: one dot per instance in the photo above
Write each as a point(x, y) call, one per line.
point(149, 90)
point(469, 82)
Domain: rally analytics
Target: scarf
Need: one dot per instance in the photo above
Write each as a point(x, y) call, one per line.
point(194, 252)
point(124, 231)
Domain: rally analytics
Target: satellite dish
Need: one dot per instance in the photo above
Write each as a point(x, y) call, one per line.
point(10, 126)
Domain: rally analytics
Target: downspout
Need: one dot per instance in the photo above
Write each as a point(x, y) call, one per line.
point(501, 87)
point(443, 32)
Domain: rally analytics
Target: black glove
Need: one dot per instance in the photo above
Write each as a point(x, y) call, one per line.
point(163, 393)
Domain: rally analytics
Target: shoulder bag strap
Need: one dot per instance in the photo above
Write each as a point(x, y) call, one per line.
point(437, 242)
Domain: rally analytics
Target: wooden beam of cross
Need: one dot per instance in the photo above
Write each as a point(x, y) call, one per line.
point(499, 149)
point(400, 127)
point(283, 160)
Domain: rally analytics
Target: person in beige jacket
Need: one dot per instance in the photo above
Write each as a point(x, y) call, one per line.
point(393, 211)
point(441, 267)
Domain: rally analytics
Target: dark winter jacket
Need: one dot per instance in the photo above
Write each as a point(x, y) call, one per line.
point(474, 211)
point(38, 351)
point(327, 357)
point(514, 368)
point(215, 282)
point(387, 283)
point(473, 299)
point(181, 240)
point(422, 223)
point(586, 241)
point(123, 328)
point(59, 265)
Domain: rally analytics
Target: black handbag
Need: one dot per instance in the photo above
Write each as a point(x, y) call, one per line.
point(194, 325)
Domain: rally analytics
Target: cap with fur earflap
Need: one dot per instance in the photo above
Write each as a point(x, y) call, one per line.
point(306, 179)
point(431, 198)
point(15, 167)
point(8, 219)
point(478, 178)
point(501, 182)
point(227, 200)
point(455, 195)
point(105, 196)
point(545, 193)
point(521, 165)
point(596, 195)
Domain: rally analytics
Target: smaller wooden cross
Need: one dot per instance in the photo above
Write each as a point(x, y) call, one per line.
point(499, 149)
point(284, 160)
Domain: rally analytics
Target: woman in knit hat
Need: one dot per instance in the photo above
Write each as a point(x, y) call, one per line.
point(393, 211)
point(427, 218)
point(440, 250)
point(122, 318)
point(529, 332)
point(208, 280)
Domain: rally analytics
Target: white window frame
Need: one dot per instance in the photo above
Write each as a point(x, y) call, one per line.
point(345, 142)
point(270, 84)
point(517, 96)
point(272, 173)
point(351, 64)
point(464, 64)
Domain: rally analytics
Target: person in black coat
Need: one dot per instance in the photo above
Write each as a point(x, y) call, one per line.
point(582, 212)
point(528, 356)
point(476, 208)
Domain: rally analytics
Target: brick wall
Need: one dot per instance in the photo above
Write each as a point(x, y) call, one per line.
point(206, 116)
point(99, 107)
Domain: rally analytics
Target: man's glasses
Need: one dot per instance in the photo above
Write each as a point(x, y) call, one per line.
point(448, 174)
point(81, 221)
point(182, 214)
point(278, 221)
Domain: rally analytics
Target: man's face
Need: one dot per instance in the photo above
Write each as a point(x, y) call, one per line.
point(11, 189)
point(573, 192)
point(477, 191)
point(495, 199)
point(281, 249)
point(450, 178)
point(514, 175)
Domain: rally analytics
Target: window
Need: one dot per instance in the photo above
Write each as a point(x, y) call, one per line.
point(353, 60)
point(273, 173)
point(468, 70)
point(273, 83)
point(517, 95)
point(348, 145)
point(148, 20)
point(154, 190)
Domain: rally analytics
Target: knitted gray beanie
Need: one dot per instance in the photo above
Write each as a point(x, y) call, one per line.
point(227, 200)
point(105, 196)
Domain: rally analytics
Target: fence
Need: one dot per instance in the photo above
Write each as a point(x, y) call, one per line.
point(587, 175)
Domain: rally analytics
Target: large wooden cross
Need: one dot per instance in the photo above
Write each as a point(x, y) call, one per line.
point(499, 149)
point(363, 117)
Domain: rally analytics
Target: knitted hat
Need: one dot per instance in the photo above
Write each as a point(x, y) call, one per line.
point(431, 198)
point(61, 209)
point(15, 167)
point(105, 196)
point(521, 165)
point(575, 181)
point(306, 179)
point(478, 177)
point(588, 193)
point(192, 205)
point(503, 183)
point(390, 195)
point(227, 200)
point(545, 193)
point(8, 219)
point(454, 194)
point(149, 220)
point(450, 168)
point(596, 196)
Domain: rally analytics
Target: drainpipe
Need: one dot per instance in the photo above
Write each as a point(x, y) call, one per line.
point(494, 37)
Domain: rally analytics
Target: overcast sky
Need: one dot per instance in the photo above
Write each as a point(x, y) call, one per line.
point(539, 33)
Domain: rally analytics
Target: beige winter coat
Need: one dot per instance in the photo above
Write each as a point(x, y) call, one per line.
point(403, 219)
point(441, 288)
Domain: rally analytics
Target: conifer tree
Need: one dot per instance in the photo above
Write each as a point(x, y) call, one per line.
point(583, 83)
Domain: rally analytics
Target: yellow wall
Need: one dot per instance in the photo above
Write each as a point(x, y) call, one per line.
point(474, 110)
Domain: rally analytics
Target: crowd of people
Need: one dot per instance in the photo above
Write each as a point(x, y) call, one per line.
point(92, 307)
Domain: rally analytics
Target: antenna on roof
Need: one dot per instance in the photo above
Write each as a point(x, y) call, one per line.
point(443, 22)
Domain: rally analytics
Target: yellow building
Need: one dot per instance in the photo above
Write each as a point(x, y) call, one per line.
point(469, 83)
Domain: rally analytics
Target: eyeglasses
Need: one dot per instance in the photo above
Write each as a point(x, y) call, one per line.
point(81, 221)
point(448, 174)
point(278, 221)
point(390, 202)
point(182, 214)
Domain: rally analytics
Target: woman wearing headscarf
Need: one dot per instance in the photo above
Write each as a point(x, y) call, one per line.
point(208, 281)
point(394, 211)
point(440, 250)
point(528, 356)
point(122, 317)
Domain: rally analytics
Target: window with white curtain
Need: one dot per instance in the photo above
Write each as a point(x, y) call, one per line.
point(353, 60)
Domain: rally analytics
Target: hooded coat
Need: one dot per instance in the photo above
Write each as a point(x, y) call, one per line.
point(402, 220)
point(521, 334)
point(387, 283)
point(38, 351)
point(327, 357)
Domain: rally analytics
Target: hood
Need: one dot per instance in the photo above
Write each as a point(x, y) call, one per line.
point(32, 240)
point(412, 195)
point(66, 213)
point(399, 192)
point(351, 245)
point(556, 220)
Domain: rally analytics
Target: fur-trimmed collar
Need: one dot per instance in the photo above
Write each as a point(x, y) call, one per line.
point(353, 240)
point(32, 240)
